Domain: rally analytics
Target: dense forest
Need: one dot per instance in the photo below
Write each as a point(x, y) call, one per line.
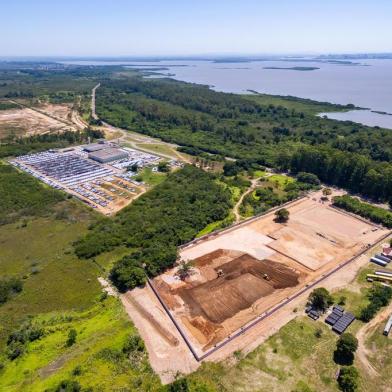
point(237, 126)
point(156, 223)
point(38, 80)
point(351, 171)
point(47, 141)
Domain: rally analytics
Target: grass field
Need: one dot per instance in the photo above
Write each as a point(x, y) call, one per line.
point(97, 355)
point(150, 178)
point(380, 348)
point(277, 366)
point(217, 225)
point(275, 185)
point(54, 278)
point(281, 180)
point(158, 148)
point(61, 292)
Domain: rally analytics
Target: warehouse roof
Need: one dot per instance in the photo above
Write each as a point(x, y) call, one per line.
point(108, 153)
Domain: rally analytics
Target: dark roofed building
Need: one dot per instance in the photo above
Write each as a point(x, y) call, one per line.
point(108, 155)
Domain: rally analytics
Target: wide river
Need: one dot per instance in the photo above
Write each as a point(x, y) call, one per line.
point(365, 83)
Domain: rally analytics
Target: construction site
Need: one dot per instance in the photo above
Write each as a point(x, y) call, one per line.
point(243, 276)
point(26, 121)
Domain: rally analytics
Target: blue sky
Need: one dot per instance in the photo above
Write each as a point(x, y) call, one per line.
point(174, 27)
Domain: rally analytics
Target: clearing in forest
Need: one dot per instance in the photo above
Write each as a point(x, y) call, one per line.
point(239, 274)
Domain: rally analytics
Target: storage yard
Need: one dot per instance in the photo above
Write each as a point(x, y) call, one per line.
point(243, 273)
point(94, 173)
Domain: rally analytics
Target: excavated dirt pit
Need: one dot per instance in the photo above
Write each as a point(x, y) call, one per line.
point(244, 280)
point(226, 289)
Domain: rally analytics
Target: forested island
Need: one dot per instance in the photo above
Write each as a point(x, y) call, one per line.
point(294, 68)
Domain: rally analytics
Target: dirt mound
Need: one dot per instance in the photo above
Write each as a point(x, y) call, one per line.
point(278, 276)
point(216, 257)
point(244, 281)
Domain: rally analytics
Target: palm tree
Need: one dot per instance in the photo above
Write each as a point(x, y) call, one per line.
point(184, 269)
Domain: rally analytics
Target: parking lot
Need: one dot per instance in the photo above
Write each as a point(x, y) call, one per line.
point(107, 187)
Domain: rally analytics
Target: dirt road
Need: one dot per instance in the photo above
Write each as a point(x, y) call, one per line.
point(93, 113)
point(363, 352)
point(125, 135)
point(239, 202)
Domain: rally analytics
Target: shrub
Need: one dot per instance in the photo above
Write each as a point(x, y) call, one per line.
point(68, 386)
point(71, 340)
point(15, 350)
point(163, 167)
point(379, 296)
point(342, 300)
point(180, 385)
point(308, 178)
point(8, 287)
point(318, 333)
point(320, 299)
point(348, 379)
point(133, 344)
point(77, 371)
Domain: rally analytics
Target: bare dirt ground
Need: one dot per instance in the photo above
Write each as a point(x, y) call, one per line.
point(166, 358)
point(26, 122)
point(208, 315)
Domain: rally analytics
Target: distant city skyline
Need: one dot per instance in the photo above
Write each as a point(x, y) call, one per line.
point(184, 28)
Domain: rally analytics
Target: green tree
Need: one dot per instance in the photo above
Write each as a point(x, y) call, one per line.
point(163, 167)
point(348, 379)
point(320, 299)
point(346, 346)
point(308, 178)
point(282, 215)
point(184, 269)
point(133, 168)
